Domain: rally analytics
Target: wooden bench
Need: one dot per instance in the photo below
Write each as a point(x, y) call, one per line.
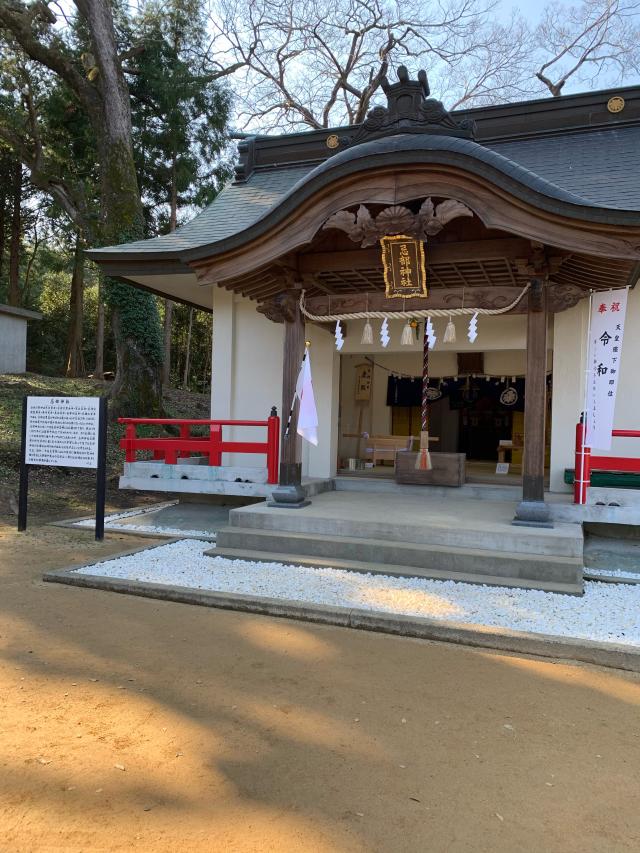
point(383, 448)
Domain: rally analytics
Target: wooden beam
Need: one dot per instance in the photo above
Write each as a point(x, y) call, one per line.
point(536, 394)
point(289, 492)
point(532, 510)
point(508, 248)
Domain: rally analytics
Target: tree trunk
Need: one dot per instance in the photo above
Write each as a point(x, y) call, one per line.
point(166, 365)
point(3, 203)
point(99, 368)
point(16, 235)
point(137, 389)
point(168, 304)
point(26, 290)
point(187, 356)
point(75, 355)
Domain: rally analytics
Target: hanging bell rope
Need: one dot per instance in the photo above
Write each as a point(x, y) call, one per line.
point(408, 315)
point(423, 459)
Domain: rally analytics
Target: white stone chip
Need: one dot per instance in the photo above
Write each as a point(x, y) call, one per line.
point(606, 612)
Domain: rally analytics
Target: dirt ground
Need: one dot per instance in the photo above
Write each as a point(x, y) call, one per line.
point(132, 724)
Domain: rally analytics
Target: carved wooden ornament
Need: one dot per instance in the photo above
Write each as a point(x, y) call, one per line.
point(363, 228)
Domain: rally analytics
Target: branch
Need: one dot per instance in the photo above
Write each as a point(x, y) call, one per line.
point(19, 20)
point(72, 202)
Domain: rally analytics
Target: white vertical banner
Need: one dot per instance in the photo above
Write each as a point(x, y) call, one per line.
point(603, 368)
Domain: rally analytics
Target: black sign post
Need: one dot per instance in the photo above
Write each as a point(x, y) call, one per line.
point(24, 472)
point(100, 466)
point(101, 470)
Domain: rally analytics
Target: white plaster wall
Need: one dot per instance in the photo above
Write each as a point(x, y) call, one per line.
point(247, 380)
point(13, 344)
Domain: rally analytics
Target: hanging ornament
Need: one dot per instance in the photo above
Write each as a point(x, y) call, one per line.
point(367, 334)
point(339, 336)
point(430, 332)
point(450, 332)
point(384, 333)
point(408, 336)
point(473, 328)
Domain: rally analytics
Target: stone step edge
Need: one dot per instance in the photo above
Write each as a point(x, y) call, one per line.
point(613, 655)
point(244, 519)
point(267, 533)
point(393, 570)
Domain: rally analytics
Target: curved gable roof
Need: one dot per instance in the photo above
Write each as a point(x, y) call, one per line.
point(593, 173)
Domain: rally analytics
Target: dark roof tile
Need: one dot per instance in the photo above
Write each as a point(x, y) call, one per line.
point(598, 166)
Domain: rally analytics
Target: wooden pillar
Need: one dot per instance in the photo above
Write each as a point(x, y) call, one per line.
point(289, 493)
point(532, 511)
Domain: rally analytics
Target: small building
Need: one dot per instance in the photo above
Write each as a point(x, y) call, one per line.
point(522, 210)
point(13, 338)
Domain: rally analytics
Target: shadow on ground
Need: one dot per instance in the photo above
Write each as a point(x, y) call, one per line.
point(243, 733)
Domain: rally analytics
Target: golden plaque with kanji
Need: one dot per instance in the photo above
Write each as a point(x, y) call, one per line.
point(404, 267)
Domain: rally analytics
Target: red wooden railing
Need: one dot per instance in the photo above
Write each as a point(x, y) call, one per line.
point(585, 462)
point(169, 449)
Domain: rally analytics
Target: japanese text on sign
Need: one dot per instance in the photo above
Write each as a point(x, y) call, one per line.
point(605, 350)
point(62, 431)
point(404, 267)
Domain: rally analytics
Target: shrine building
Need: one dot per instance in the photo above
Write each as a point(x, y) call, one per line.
point(486, 231)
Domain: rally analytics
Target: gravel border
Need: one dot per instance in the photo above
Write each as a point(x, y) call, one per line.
point(611, 655)
point(169, 534)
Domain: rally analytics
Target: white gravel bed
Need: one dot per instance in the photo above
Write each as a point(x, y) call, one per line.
point(111, 523)
point(606, 612)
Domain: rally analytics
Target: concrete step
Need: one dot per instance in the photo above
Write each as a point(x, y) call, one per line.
point(572, 587)
point(433, 528)
point(489, 492)
point(413, 558)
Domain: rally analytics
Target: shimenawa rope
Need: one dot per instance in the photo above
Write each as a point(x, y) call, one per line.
point(408, 315)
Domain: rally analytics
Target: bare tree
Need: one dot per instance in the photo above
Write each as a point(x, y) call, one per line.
point(319, 63)
point(597, 39)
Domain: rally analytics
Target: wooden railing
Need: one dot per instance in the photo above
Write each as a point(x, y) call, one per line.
point(585, 462)
point(169, 449)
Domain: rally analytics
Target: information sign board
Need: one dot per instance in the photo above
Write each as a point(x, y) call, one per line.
point(63, 431)
point(70, 432)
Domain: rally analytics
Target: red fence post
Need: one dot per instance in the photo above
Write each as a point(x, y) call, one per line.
point(130, 436)
point(215, 442)
point(578, 464)
point(273, 447)
point(582, 471)
point(586, 474)
point(185, 432)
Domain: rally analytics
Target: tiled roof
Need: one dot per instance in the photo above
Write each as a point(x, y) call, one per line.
point(599, 165)
point(237, 207)
point(596, 168)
